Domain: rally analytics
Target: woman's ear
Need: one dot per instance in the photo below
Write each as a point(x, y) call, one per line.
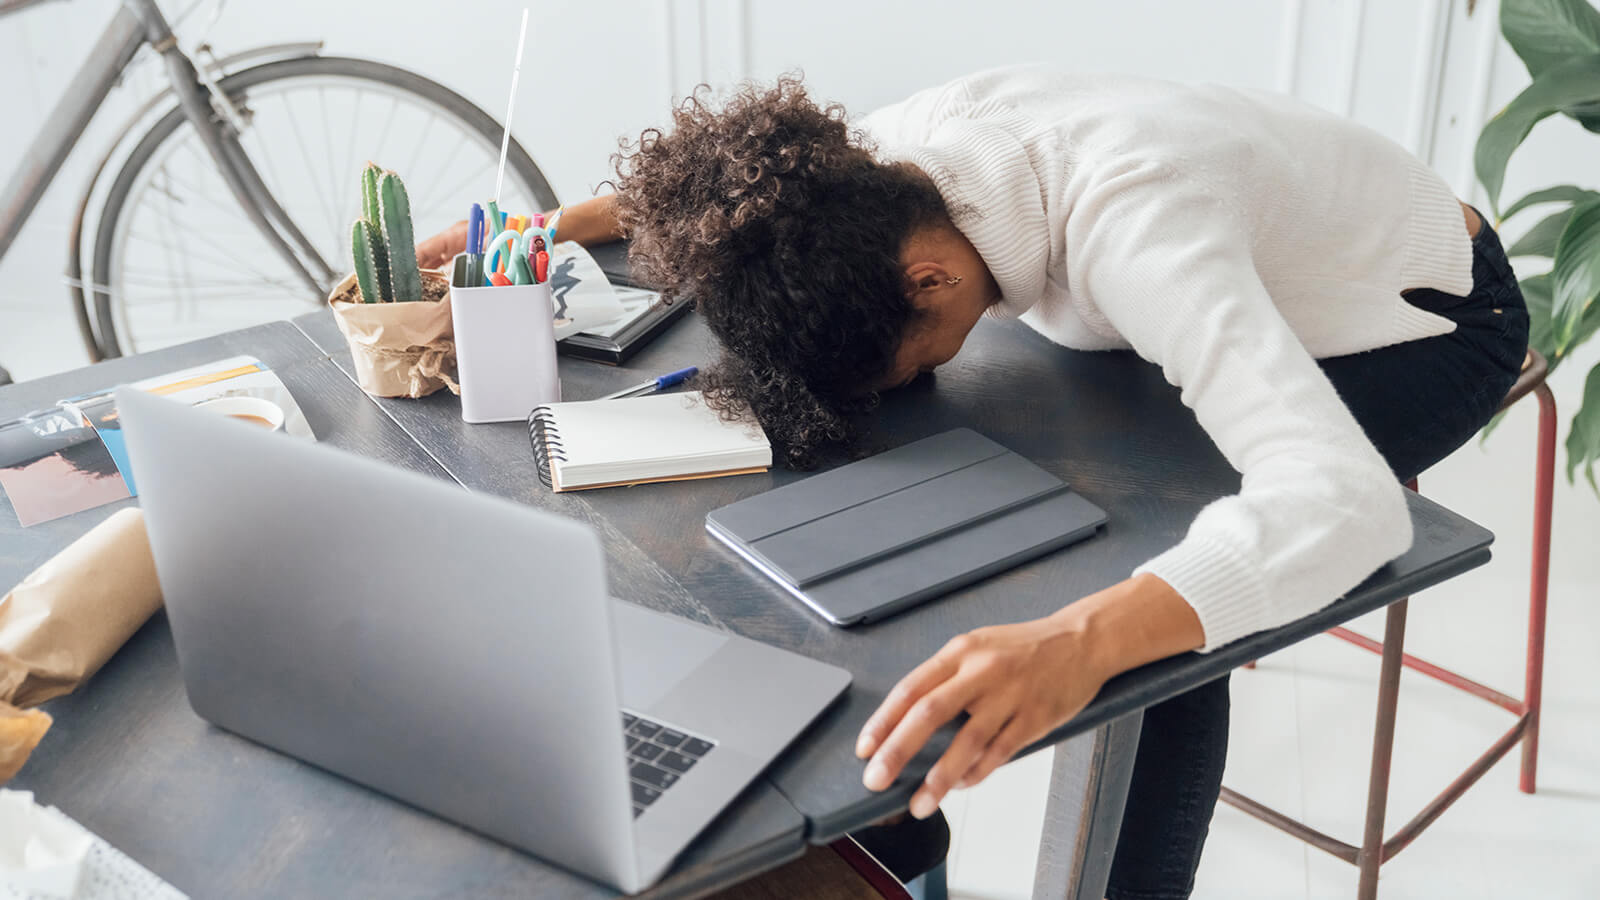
point(922, 280)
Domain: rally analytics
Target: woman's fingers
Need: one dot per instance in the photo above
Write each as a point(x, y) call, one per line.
point(1006, 744)
point(925, 716)
point(962, 754)
point(1017, 682)
point(910, 689)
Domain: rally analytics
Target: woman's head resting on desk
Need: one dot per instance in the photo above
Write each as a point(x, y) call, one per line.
point(827, 276)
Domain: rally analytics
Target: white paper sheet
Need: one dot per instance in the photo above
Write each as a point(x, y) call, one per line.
point(45, 855)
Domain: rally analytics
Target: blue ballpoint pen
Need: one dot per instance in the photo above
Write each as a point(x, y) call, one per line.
point(655, 384)
point(474, 247)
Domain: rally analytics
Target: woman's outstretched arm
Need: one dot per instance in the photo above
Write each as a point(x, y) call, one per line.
point(594, 221)
point(1018, 682)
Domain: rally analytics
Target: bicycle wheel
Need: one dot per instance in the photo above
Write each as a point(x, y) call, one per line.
point(174, 257)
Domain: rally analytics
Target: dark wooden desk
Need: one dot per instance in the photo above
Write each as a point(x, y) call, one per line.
point(1106, 422)
point(219, 816)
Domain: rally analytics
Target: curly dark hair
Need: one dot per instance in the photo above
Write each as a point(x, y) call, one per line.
point(784, 230)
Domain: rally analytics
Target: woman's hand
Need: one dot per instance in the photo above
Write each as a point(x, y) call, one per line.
point(1018, 683)
point(442, 247)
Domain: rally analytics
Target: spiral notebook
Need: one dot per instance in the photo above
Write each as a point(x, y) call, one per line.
point(657, 437)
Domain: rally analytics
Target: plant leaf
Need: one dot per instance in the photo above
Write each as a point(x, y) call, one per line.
point(1545, 33)
point(1540, 240)
point(1587, 114)
point(1537, 292)
point(1576, 273)
point(1586, 328)
point(1566, 193)
point(1583, 441)
point(1488, 429)
point(1557, 87)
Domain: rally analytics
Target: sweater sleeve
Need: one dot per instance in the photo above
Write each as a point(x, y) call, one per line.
point(1168, 265)
point(912, 120)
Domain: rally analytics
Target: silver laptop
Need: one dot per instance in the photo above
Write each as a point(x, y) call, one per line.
point(457, 651)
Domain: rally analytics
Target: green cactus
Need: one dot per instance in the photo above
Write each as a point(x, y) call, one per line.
point(363, 238)
point(369, 192)
point(395, 208)
point(380, 251)
point(381, 241)
point(380, 255)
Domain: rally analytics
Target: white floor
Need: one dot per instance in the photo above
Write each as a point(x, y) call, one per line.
point(1303, 720)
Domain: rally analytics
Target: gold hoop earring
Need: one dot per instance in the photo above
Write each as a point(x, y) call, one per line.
point(955, 280)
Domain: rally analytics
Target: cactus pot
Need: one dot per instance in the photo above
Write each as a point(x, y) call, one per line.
point(402, 349)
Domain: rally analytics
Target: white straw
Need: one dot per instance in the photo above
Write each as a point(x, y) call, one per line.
point(511, 105)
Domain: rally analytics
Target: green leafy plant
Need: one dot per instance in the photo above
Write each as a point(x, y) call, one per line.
point(381, 241)
point(1559, 42)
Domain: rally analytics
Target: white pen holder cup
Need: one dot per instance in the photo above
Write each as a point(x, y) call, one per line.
point(505, 351)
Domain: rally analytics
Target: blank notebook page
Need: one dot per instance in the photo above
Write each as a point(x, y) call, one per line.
point(654, 436)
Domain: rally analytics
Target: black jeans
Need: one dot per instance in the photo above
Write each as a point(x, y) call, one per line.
point(1417, 401)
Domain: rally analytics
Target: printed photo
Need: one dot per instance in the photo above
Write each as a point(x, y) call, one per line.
point(635, 302)
point(583, 296)
point(53, 464)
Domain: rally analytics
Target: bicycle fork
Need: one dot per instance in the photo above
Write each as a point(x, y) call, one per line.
point(221, 141)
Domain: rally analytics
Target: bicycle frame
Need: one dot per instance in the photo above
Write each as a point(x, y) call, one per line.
point(136, 23)
point(66, 124)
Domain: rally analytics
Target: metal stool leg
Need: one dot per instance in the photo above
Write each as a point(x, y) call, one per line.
point(1371, 855)
point(1539, 589)
point(1374, 850)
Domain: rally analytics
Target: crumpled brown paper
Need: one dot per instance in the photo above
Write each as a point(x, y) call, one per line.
point(20, 732)
point(400, 349)
point(62, 622)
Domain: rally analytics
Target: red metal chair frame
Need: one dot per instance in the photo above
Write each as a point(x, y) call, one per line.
point(1374, 850)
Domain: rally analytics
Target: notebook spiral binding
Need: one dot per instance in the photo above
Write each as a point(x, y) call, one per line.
point(546, 441)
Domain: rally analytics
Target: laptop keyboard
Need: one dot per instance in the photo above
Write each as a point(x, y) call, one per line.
point(657, 757)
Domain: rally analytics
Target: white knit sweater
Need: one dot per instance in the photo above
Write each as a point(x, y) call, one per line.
point(1230, 237)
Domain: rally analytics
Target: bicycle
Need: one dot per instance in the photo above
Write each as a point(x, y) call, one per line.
point(170, 261)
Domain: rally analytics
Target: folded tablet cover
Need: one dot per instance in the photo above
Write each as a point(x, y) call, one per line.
point(881, 534)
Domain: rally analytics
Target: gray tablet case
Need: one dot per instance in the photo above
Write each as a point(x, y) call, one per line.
point(869, 539)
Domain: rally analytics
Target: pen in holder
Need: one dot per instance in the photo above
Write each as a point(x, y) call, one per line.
point(505, 348)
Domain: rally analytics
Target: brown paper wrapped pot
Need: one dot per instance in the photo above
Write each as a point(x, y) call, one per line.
point(403, 349)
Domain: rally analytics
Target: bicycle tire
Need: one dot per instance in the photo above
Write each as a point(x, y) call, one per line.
point(465, 111)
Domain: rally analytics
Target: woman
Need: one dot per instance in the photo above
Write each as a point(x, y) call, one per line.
point(1336, 318)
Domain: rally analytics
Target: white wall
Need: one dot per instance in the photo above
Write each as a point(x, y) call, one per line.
point(1421, 71)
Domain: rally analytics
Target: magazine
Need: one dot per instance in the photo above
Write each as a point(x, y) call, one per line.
point(583, 296)
point(72, 457)
point(644, 316)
